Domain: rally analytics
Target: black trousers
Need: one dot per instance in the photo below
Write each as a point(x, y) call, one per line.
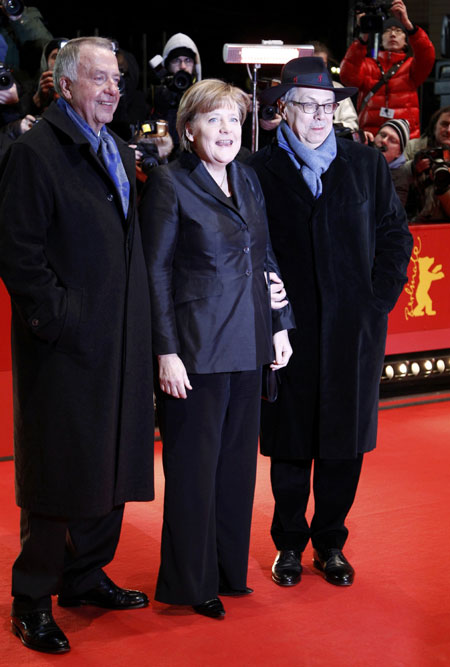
point(334, 486)
point(209, 456)
point(61, 555)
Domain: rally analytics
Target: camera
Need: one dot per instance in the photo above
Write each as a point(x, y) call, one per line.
point(144, 136)
point(13, 7)
point(343, 132)
point(439, 165)
point(6, 78)
point(178, 82)
point(375, 13)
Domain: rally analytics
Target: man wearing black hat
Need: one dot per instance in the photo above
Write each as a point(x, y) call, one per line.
point(342, 242)
point(388, 85)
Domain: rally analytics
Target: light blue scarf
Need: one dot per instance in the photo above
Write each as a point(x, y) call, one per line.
point(109, 151)
point(401, 159)
point(312, 163)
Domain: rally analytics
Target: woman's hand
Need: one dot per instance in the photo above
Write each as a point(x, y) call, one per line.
point(173, 378)
point(282, 348)
point(277, 292)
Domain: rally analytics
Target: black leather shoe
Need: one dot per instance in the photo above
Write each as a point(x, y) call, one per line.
point(38, 630)
point(212, 608)
point(335, 566)
point(235, 592)
point(107, 595)
point(287, 569)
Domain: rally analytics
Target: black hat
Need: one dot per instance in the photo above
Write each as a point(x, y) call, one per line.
point(393, 22)
point(308, 72)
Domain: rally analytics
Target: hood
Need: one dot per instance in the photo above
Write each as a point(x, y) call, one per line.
point(178, 40)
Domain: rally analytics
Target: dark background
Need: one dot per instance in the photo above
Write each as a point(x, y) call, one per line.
point(209, 25)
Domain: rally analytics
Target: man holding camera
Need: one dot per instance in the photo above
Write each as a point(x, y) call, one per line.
point(429, 161)
point(391, 140)
point(388, 84)
point(181, 68)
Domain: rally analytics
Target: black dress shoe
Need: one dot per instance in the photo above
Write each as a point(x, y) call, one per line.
point(212, 608)
point(335, 566)
point(235, 592)
point(107, 595)
point(287, 569)
point(38, 630)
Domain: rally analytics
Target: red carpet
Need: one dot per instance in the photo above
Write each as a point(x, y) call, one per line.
point(397, 614)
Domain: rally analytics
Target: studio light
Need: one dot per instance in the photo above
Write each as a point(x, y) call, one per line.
point(269, 52)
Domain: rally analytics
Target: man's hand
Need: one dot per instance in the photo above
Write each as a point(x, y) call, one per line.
point(27, 123)
point(399, 11)
point(44, 89)
point(277, 292)
point(272, 124)
point(9, 96)
point(173, 378)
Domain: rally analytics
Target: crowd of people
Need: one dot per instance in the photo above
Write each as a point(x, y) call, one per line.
point(195, 289)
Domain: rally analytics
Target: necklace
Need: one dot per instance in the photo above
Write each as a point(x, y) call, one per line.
point(223, 185)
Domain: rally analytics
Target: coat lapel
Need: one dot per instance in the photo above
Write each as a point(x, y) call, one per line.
point(283, 169)
point(58, 118)
point(204, 180)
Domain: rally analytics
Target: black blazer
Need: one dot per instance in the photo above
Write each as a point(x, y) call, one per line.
point(206, 257)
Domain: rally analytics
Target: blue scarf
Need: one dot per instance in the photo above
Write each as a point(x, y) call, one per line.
point(109, 152)
point(312, 163)
point(401, 159)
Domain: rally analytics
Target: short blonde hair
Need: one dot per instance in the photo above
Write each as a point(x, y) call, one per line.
point(205, 96)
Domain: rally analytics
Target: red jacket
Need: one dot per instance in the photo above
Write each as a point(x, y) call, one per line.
point(400, 93)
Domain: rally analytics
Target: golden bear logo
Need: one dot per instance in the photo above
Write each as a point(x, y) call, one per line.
point(420, 302)
point(426, 277)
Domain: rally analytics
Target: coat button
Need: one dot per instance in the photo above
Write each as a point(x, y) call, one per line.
point(246, 250)
point(35, 322)
point(248, 272)
point(109, 197)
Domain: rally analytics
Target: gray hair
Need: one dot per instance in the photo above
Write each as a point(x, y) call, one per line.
point(68, 58)
point(288, 95)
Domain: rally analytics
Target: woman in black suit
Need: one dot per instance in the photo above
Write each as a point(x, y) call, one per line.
point(208, 254)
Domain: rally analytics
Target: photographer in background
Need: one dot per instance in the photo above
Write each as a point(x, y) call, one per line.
point(25, 34)
point(44, 94)
point(429, 160)
point(13, 123)
point(178, 69)
point(388, 84)
point(391, 140)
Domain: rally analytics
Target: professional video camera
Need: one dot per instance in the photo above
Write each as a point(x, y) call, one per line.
point(439, 158)
point(6, 78)
point(375, 13)
point(13, 7)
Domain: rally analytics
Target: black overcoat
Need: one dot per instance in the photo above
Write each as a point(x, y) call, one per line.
point(207, 255)
point(343, 258)
point(81, 339)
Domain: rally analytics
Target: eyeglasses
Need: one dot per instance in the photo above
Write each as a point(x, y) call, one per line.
point(394, 29)
point(313, 107)
point(182, 60)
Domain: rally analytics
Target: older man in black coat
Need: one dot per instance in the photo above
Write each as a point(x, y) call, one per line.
point(72, 260)
point(342, 243)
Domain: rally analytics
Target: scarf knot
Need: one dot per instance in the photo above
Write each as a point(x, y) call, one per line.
point(104, 146)
point(312, 163)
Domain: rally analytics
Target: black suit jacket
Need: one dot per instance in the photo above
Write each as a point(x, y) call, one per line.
point(206, 257)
